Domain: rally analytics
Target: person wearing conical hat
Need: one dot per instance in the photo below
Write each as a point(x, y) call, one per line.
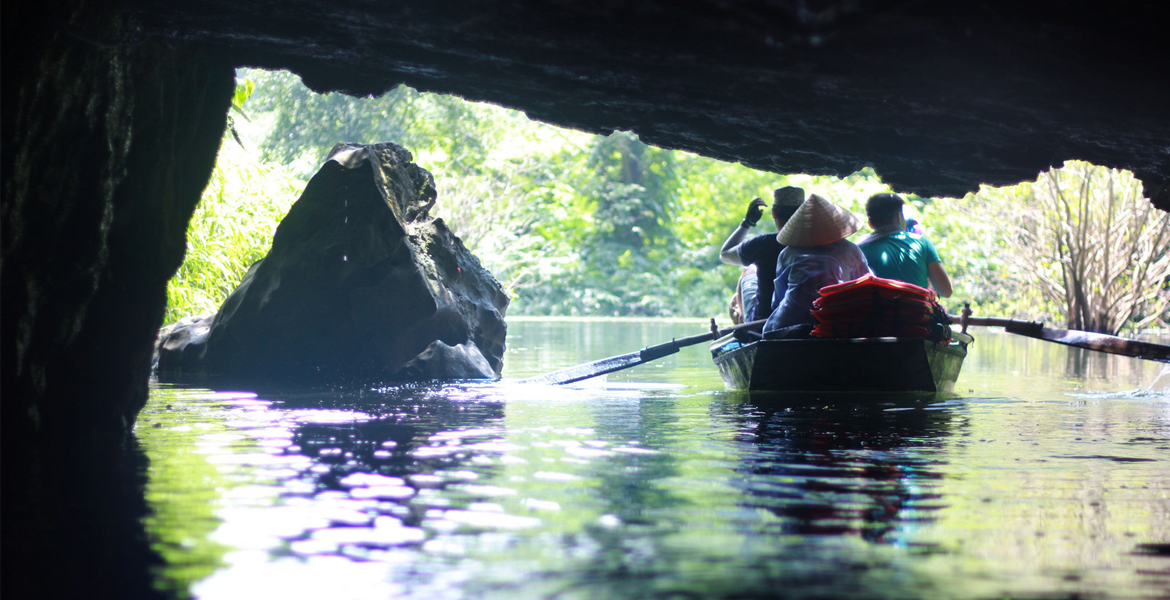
point(816, 254)
point(758, 255)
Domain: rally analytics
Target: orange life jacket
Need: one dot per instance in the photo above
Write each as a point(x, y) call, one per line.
point(870, 306)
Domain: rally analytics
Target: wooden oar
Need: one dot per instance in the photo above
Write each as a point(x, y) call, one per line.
point(625, 361)
point(1071, 337)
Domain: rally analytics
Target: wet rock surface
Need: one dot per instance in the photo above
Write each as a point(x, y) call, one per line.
point(361, 283)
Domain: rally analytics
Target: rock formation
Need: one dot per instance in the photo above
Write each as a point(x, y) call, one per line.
point(106, 150)
point(361, 283)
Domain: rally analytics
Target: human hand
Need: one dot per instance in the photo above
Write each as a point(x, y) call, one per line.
point(754, 212)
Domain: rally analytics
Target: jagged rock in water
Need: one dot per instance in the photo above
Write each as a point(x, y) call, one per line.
point(440, 361)
point(360, 283)
point(174, 340)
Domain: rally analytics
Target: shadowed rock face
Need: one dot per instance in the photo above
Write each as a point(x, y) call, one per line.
point(112, 114)
point(106, 150)
point(360, 282)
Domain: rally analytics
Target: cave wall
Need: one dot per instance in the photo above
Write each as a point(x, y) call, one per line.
point(109, 140)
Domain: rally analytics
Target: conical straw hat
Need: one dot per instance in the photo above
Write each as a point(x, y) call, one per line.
point(818, 222)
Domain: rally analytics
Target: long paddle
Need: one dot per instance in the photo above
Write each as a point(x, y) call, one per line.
point(625, 361)
point(1071, 337)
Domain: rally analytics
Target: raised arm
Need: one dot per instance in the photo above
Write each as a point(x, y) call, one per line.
point(727, 253)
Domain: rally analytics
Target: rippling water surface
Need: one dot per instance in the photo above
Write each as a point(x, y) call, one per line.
point(1046, 476)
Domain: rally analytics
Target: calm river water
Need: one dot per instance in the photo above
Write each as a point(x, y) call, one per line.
point(1046, 476)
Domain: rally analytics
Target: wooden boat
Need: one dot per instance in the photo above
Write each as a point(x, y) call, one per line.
point(841, 365)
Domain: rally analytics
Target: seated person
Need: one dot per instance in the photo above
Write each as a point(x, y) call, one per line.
point(816, 254)
point(894, 253)
point(758, 253)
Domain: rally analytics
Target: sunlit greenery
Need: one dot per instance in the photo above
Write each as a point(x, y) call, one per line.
point(573, 223)
point(1080, 244)
point(233, 225)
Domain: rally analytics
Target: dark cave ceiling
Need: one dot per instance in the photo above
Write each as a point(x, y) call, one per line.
point(937, 96)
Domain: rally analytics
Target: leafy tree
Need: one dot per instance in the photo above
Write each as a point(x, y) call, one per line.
point(305, 125)
point(1081, 242)
point(634, 186)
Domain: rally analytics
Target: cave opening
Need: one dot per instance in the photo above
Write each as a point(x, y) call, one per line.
point(553, 213)
point(548, 210)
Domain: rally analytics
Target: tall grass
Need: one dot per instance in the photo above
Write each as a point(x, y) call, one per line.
point(231, 229)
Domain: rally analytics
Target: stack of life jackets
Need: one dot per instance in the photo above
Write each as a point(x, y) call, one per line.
point(874, 307)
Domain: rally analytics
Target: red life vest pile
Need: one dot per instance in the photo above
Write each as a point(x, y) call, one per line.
point(874, 307)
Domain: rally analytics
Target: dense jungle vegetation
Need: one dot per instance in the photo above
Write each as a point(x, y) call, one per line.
point(585, 225)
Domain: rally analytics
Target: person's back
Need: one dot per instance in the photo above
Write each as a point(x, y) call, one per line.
point(894, 253)
point(758, 254)
point(802, 271)
point(816, 255)
point(900, 255)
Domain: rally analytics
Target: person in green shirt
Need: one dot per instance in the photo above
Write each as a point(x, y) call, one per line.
point(894, 253)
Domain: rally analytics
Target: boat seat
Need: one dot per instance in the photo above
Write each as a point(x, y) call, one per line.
point(795, 332)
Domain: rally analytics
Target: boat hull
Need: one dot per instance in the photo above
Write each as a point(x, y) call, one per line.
point(840, 365)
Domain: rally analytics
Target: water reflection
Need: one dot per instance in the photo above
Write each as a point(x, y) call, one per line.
point(840, 467)
point(627, 480)
point(628, 457)
point(387, 477)
point(77, 531)
point(1161, 383)
point(661, 484)
point(309, 477)
point(1018, 356)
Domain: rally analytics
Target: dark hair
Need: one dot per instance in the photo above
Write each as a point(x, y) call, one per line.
point(883, 209)
point(785, 201)
point(783, 212)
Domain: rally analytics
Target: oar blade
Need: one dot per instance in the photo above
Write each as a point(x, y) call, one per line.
point(587, 370)
point(1104, 343)
point(625, 361)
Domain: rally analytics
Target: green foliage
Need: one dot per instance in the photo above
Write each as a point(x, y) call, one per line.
point(244, 89)
point(571, 223)
point(633, 185)
point(231, 229)
point(976, 258)
point(303, 126)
